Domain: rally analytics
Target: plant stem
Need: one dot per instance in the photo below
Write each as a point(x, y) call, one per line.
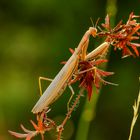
point(135, 116)
point(111, 9)
point(86, 117)
point(89, 109)
point(73, 106)
point(61, 127)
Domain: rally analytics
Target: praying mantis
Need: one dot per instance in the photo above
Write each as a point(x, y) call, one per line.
point(63, 78)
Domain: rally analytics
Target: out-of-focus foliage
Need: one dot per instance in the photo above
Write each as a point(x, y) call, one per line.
point(34, 39)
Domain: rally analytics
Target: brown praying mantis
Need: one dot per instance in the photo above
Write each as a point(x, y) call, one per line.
point(82, 67)
point(64, 77)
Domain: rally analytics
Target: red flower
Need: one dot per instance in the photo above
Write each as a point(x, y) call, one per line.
point(90, 75)
point(44, 124)
point(122, 35)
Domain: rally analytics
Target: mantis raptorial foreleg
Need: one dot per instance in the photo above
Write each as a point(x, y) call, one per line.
point(39, 82)
point(83, 56)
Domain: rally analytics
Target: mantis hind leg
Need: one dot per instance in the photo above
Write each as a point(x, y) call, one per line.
point(72, 93)
point(39, 82)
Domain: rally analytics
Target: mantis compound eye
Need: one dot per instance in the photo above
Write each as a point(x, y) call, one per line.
point(93, 31)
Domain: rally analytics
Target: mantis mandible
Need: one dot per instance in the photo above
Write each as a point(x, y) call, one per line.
point(62, 79)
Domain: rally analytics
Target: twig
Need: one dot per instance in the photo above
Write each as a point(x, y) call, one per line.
point(60, 128)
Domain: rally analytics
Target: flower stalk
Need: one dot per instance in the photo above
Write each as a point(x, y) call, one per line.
point(135, 114)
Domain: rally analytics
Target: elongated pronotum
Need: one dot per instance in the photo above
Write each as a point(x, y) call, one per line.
point(62, 79)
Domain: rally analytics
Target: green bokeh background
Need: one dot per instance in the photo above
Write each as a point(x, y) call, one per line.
point(34, 38)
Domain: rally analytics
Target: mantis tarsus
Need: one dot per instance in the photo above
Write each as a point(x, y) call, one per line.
point(63, 78)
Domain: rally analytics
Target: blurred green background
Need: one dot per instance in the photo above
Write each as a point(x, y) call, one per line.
point(34, 38)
